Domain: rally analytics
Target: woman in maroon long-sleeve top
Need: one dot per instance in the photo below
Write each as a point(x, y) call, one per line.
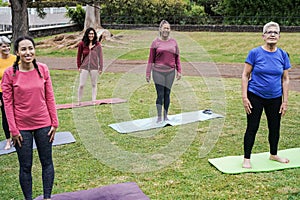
point(163, 61)
point(89, 62)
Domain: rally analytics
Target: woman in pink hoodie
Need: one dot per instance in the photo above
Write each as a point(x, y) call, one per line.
point(31, 114)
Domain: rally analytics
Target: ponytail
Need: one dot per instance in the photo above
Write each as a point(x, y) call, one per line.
point(16, 65)
point(37, 68)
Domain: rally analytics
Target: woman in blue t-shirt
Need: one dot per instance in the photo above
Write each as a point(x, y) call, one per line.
point(265, 83)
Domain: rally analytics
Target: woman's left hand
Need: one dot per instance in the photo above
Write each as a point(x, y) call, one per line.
point(178, 76)
point(51, 133)
point(283, 108)
point(100, 72)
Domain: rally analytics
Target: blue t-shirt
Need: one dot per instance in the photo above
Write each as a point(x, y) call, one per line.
point(267, 71)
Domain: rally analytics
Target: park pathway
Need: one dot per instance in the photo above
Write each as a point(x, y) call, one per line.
point(189, 69)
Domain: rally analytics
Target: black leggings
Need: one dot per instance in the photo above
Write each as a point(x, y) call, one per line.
point(271, 108)
point(25, 156)
point(163, 84)
point(4, 120)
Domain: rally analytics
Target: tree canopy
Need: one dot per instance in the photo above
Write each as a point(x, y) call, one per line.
point(241, 12)
point(285, 12)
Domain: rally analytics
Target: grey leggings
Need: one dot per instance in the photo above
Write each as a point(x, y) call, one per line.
point(163, 84)
point(25, 154)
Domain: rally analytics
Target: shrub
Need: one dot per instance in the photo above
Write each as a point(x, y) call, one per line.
point(77, 15)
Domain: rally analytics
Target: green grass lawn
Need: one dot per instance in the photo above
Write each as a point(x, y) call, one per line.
point(167, 163)
point(219, 47)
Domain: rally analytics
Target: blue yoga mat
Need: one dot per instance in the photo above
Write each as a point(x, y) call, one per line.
point(174, 120)
point(260, 162)
point(60, 138)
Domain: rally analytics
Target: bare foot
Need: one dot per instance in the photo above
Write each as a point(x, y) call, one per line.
point(7, 146)
point(246, 163)
point(279, 159)
point(166, 117)
point(159, 120)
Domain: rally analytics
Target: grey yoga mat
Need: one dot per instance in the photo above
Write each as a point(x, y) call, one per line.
point(60, 138)
point(174, 120)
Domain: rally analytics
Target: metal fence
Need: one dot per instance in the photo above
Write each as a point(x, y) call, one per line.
point(54, 17)
point(5, 27)
point(32, 11)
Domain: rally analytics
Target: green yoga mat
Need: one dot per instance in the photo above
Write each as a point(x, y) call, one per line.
point(260, 162)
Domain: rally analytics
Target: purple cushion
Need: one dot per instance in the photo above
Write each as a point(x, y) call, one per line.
point(121, 191)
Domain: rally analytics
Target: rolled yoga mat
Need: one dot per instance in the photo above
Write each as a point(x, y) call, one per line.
point(120, 191)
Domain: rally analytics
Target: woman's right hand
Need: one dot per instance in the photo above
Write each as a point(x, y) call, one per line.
point(247, 105)
point(148, 79)
point(17, 139)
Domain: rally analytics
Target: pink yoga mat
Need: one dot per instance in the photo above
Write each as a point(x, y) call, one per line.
point(90, 103)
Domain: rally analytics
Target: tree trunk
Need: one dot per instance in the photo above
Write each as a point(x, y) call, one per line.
point(92, 17)
point(20, 22)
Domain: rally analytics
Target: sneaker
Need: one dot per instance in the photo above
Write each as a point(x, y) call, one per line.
point(208, 111)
